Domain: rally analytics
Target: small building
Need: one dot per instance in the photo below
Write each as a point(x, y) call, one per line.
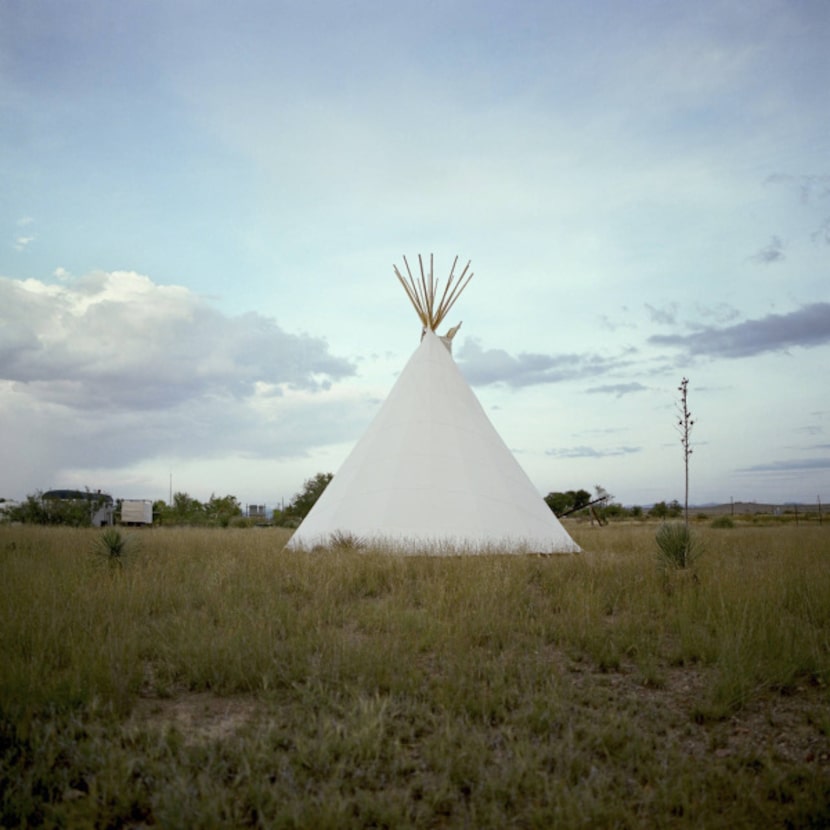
point(100, 505)
point(136, 512)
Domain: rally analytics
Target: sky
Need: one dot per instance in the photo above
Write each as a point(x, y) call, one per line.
point(202, 205)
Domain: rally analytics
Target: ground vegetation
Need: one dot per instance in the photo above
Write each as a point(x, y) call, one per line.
point(214, 680)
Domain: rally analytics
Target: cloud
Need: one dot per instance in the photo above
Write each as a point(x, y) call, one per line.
point(720, 312)
point(483, 367)
point(810, 186)
point(788, 466)
point(112, 369)
point(618, 389)
point(117, 341)
point(822, 234)
point(591, 452)
point(210, 428)
point(773, 252)
point(807, 327)
point(23, 238)
point(613, 325)
point(666, 315)
point(23, 242)
point(811, 190)
point(812, 429)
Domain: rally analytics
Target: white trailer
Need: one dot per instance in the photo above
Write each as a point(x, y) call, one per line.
point(136, 512)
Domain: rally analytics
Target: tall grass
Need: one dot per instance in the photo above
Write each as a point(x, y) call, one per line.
point(575, 690)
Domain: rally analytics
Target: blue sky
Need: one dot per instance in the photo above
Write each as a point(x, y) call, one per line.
point(202, 205)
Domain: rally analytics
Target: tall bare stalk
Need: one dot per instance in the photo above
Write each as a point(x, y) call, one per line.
point(685, 422)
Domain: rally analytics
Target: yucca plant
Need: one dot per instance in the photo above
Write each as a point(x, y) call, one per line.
point(113, 544)
point(678, 548)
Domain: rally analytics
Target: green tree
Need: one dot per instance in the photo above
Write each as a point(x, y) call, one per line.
point(303, 501)
point(159, 510)
point(222, 510)
point(568, 502)
point(278, 517)
point(30, 511)
point(559, 503)
point(659, 510)
point(184, 510)
point(582, 498)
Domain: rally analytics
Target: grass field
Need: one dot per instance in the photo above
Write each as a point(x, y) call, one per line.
point(210, 680)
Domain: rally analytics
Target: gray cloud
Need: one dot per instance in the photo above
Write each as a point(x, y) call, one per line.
point(618, 389)
point(822, 234)
point(807, 327)
point(118, 341)
point(112, 369)
point(666, 315)
point(208, 428)
point(614, 325)
point(788, 466)
point(773, 252)
point(810, 186)
point(720, 313)
point(482, 366)
point(591, 452)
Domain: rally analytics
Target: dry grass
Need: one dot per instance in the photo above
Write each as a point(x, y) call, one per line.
point(213, 680)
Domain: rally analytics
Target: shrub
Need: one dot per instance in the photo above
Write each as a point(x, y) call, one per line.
point(112, 544)
point(723, 521)
point(342, 540)
point(677, 545)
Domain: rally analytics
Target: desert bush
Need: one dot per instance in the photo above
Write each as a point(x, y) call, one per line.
point(678, 546)
point(342, 540)
point(723, 522)
point(112, 544)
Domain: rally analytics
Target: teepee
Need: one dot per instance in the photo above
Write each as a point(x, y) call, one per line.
point(431, 474)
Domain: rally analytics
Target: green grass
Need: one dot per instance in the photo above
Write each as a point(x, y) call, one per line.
point(213, 680)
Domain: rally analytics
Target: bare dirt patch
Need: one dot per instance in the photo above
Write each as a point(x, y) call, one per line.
point(789, 726)
point(200, 717)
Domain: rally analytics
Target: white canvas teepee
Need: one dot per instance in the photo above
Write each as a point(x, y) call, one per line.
point(431, 474)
